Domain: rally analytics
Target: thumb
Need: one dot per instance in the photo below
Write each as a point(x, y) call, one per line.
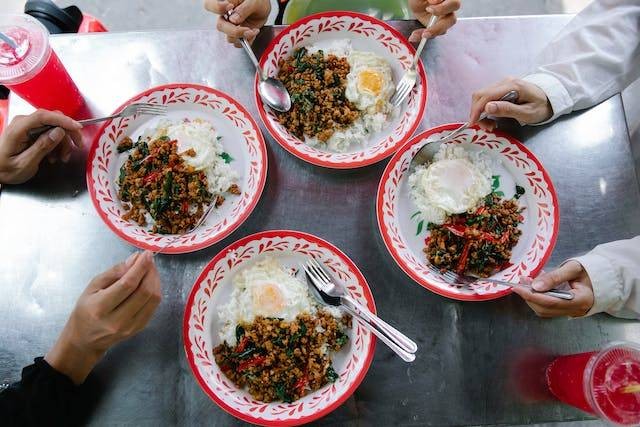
point(553, 279)
point(242, 12)
point(507, 109)
point(45, 144)
point(109, 277)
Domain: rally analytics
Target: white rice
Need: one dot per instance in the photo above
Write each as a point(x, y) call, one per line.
point(356, 135)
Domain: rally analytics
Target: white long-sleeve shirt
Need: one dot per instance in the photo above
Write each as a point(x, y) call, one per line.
point(594, 57)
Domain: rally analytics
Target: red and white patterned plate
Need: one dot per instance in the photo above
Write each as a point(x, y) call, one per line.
point(404, 234)
point(213, 288)
point(241, 138)
point(366, 34)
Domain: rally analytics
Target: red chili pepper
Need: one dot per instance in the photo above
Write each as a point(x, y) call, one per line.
point(505, 237)
point(255, 361)
point(520, 218)
point(456, 229)
point(242, 344)
point(481, 210)
point(427, 240)
point(185, 207)
point(151, 177)
point(301, 383)
point(462, 264)
point(488, 237)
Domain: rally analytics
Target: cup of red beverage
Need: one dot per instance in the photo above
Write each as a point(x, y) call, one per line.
point(605, 383)
point(32, 69)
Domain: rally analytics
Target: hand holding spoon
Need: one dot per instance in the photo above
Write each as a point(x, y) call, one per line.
point(270, 89)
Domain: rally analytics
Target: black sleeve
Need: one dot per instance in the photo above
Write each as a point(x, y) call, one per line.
point(43, 397)
point(282, 5)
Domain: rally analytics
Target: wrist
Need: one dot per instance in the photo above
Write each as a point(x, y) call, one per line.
point(71, 359)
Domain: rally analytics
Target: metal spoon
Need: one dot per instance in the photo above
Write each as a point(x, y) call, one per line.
point(8, 40)
point(271, 90)
point(428, 150)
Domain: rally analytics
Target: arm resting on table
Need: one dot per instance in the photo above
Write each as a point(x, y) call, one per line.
point(594, 57)
point(614, 270)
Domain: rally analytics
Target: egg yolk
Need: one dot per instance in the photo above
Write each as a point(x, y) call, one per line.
point(268, 299)
point(370, 81)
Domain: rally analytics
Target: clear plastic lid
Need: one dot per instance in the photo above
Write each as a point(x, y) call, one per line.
point(612, 384)
point(32, 50)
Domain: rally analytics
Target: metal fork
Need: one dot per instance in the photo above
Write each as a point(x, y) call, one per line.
point(453, 278)
point(129, 110)
point(202, 219)
point(322, 280)
point(425, 155)
point(325, 299)
point(410, 77)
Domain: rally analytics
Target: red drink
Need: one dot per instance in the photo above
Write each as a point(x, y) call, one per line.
point(33, 70)
point(605, 383)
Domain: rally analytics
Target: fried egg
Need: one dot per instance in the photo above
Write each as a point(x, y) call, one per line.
point(369, 82)
point(454, 183)
point(265, 289)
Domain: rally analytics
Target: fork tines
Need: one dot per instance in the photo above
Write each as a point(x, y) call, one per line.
point(401, 93)
point(318, 277)
point(447, 276)
point(151, 109)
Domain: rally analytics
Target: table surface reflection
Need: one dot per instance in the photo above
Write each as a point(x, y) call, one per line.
point(479, 363)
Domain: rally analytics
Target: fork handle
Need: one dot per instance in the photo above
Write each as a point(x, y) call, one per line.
point(557, 293)
point(36, 133)
point(403, 341)
point(511, 96)
point(404, 355)
point(423, 42)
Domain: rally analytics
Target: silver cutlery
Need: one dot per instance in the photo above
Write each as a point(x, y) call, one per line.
point(428, 151)
point(325, 299)
point(130, 110)
point(324, 283)
point(410, 77)
point(453, 278)
point(271, 90)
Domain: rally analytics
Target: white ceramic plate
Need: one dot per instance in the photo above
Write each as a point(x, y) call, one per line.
point(405, 237)
point(241, 138)
point(213, 289)
point(366, 34)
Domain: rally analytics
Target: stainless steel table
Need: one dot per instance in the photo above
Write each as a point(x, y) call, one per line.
point(478, 362)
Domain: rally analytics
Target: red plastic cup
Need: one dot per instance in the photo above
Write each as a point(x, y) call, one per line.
point(33, 70)
point(605, 383)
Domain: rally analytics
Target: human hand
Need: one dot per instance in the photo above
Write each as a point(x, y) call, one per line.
point(424, 9)
point(116, 305)
point(246, 20)
point(547, 306)
point(532, 106)
point(20, 159)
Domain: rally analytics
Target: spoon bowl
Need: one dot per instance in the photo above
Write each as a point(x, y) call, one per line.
point(274, 94)
point(271, 90)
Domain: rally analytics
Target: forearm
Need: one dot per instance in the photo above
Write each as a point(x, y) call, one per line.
point(614, 270)
point(594, 57)
point(70, 360)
